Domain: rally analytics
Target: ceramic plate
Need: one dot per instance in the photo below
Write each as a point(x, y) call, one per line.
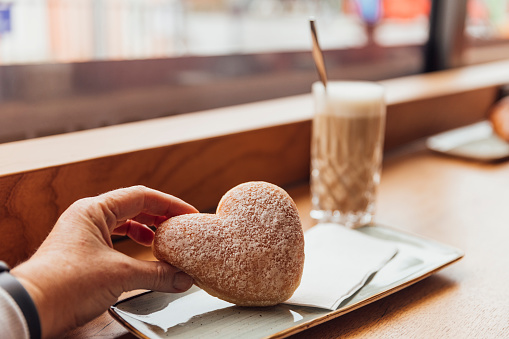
point(476, 142)
point(195, 314)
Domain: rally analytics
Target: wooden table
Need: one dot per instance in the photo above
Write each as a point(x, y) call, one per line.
point(457, 202)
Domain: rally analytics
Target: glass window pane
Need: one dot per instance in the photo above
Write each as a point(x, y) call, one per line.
point(35, 31)
point(149, 58)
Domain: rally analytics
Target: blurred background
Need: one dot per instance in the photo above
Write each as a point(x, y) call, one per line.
point(67, 65)
point(85, 30)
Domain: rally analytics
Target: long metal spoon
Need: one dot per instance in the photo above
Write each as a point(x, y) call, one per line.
point(318, 55)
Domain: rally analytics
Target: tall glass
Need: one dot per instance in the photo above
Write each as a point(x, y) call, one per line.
point(346, 151)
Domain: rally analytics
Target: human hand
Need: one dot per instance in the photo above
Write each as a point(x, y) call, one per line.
point(76, 274)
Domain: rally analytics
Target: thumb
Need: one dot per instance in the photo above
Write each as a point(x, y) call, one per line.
point(158, 276)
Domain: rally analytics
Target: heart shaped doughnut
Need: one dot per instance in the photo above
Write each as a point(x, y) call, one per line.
point(250, 253)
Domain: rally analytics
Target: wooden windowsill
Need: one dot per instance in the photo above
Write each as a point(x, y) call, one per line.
point(131, 137)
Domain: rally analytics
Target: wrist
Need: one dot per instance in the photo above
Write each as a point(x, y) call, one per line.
point(40, 299)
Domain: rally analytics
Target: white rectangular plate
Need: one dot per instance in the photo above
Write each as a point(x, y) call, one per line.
point(194, 314)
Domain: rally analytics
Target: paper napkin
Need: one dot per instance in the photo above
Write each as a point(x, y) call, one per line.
point(338, 263)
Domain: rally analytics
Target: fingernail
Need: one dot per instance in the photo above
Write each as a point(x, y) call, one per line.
point(182, 281)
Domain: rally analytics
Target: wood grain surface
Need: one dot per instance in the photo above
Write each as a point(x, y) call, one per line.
point(457, 202)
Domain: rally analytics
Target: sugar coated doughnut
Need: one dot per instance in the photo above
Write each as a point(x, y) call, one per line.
point(250, 253)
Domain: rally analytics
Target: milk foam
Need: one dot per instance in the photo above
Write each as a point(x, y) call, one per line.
point(349, 98)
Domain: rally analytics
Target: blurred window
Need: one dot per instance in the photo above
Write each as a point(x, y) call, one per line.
point(38, 31)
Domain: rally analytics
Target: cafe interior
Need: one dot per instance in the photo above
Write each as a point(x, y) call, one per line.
point(194, 97)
